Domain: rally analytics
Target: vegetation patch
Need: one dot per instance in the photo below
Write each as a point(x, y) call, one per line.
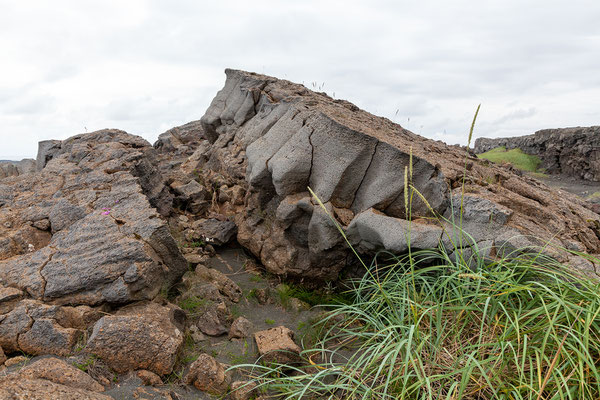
point(525, 328)
point(515, 157)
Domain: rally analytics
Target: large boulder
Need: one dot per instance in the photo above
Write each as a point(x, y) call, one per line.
point(276, 139)
point(87, 228)
point(142, 336)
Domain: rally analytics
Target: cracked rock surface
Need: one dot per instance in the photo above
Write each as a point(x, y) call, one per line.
point(276, 139)
point(86, 230)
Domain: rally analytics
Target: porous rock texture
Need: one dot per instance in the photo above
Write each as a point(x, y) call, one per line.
point(141, 336)
point(85, 231)
point(570, 151)
point(275, 139)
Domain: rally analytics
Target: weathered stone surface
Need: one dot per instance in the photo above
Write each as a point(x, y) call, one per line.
point(277, 345)
point(37, 328)
point(46, 336)
point(144, 336)
point(58, 371)
point(15, 361)
point(83, 230)
point(181, 140)
point(12, 387)
point(569, 151)
point(214, 231)
point(225, 285)
point(242, 390)
point(191, 197)
point(2, 356)
point(208, 375)
point(276, 139)
point(149, 378)
point(371, 231)
point(240, 328)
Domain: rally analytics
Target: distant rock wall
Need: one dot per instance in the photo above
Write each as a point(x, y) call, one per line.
point(570, 151)
point(16, 168)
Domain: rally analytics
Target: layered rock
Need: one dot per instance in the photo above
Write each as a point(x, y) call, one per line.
point(570, 151)
point(276, 139)
point(84, 231)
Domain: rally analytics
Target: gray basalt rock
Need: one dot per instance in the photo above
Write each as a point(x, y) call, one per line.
point(37, 328)
point(276, 139)
point(181, 140)
point(16, 168)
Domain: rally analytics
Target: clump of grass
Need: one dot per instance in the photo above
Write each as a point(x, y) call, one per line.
point(515, 157)
point(193, 304)
point(428, 326)
point(518, 329)
point(311, 297)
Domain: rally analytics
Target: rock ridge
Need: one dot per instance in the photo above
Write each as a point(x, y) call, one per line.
point(570, 151)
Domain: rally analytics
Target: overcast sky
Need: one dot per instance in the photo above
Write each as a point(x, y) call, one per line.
point(145, 66)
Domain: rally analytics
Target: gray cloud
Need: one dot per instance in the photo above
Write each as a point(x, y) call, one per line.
point(147, 65)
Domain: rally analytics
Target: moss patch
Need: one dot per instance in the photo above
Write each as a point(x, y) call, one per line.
point(515, 157)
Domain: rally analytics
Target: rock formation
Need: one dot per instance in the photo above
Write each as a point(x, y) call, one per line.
point(276, 139)
point(15, 168)
point(84, 231)
point(103, 232)
point(570, 151)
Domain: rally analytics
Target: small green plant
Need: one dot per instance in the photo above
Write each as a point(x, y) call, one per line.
point(269, 321)
point(323, 297)
point(515, 157)
point(196, 244)
point(87, 363)
point(193, 304)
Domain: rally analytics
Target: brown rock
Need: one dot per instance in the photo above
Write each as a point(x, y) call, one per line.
point(15, 360)
point(240, 328)
point(208, 375)
point(149, 378)
point(102, 196)
point(13, 387)
point(298, 305)
point(226, 286)
point(277, 345)
point(58, 371)
point(2, 356)
point(242, 390)
point(146, 336)
point(46, 336)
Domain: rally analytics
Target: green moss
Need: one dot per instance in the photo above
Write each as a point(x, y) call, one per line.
point(515, 157)
point(594, 196)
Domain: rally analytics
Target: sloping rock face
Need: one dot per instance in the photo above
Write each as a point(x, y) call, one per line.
point(84, 231)
point(569, 151)
point(276, 139)
point(16, 168)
